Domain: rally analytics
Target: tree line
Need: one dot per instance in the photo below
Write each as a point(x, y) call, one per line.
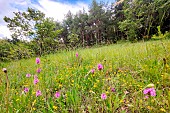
point(133, 20)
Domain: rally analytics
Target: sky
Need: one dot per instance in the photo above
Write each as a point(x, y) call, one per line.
point(52, 8)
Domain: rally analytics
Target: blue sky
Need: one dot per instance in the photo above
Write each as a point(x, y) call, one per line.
point(52, 8)
point(74, 1)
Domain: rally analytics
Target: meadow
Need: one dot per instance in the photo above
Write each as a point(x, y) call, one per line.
point(118, 78)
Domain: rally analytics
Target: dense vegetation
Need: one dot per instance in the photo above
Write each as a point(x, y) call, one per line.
point(130, 20)
point(119, 78)
point(84, 77)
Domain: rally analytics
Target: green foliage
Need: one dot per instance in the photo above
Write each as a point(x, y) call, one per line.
point(160, 35)
point(143, 17)
point(167, 35)
point(21, 51)
point(47, 37)
point(129, 20)
point(17, 51)
point(23, 24)
point(73, 40)
point(128, 68)
point(129, 27)
point(5, 50)
point(32, 25)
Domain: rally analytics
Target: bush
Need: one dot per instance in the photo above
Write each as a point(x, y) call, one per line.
point(5, 50)
point(167, 35)
point(160, 35)
point(10, 51)
point(21, 51)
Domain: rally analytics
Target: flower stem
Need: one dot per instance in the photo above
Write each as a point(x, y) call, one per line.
point(7, 92)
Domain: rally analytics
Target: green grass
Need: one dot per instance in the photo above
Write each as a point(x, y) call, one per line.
point(128, 68)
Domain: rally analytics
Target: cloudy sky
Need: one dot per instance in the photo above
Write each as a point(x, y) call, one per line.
point(52, 8)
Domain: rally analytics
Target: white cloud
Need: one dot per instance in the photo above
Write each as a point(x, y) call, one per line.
point(54, 9)
point(6, 10)
point(57, 10)
point(4, 31)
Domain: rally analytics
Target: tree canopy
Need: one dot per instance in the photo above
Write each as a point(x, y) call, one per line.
point(104, 23)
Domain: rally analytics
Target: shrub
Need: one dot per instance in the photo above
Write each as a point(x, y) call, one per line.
point(10, 51)
point(5, 50)
point(160, 35)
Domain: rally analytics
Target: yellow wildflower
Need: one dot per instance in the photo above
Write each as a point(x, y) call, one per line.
point(121, 101)
point(107, 92)
point(55, 107)
point(163, 110)
point(95, 85)
point(60, 85)
point(149, 107)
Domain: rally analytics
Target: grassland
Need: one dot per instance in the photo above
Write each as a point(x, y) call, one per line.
point(128, 69)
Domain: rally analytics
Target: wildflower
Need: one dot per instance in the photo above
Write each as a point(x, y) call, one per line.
point(150, 91)
point(95, 85)
point(4, 70)
point(36, 81)
point(35, 76)
point(126, 92)
point(121, 101)
point(103, 96)
point(38, 60)
point(60, 85)
point(26, 90)
point(57, 94)
point(149, 107)
point(28, 75)
point(163, 110)
point(146, 97)
point(38, 70)
point(109, 78)
point(92, 71)
point(107, 92)
point(77, 54)
point(38, 93)
point(113, 89)
point(140, 100)
point(55, 107)
point(100, 67)
point(91, 92)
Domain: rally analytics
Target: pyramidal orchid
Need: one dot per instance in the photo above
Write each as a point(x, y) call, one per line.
point(38, 60)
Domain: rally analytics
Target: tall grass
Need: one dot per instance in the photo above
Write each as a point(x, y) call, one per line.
point(127, 68)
